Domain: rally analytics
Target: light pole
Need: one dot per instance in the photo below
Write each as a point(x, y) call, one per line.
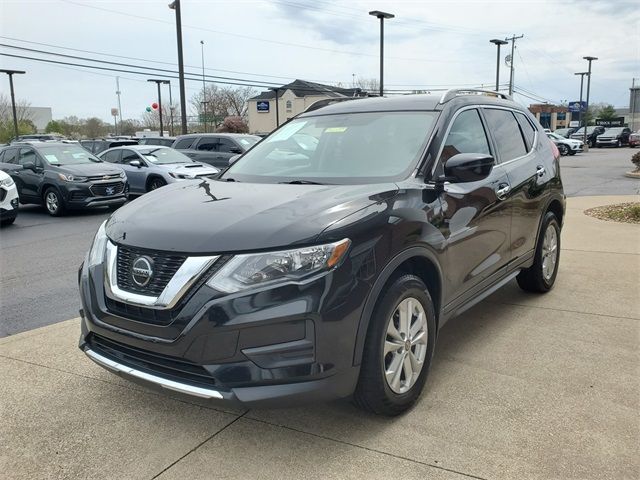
point(498, 43)
point(204, 90)
point(158, 82)
point(175, 5)
point(170, 108)
point(382, 16)
point(582, 74)
point(13, 97)
point(277, 90)
point(588, 59)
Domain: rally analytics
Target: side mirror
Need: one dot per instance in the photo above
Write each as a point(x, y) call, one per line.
point(468, 167)
point(135, 163)
point(233, 159)
point(29, 166)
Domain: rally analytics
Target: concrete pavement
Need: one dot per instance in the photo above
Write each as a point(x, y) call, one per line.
point(523, 386)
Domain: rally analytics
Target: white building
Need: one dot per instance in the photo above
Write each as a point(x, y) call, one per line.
point(40, 116)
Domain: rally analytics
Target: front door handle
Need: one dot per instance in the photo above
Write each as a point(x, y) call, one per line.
point(502, 191)
point(540, 170)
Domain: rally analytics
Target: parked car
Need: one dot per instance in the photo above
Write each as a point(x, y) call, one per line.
point(149, 167)
point(62, 177)
point(614, 137)
point(566, 146)
point(39, 137)
point(214, 148)
point(564, 132)
point(164, 141)
point(305, 275)
point(592, 133)
point(96, 146)
point(634, 139)
point(8, 199)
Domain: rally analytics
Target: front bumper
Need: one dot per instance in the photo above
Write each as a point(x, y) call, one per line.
point(607, 141)
point(79, 195)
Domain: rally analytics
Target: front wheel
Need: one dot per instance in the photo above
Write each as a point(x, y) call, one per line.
point(541, 276)
point(619, 143)
point(53, 202)
point(563, 149)
point(155, 183)
point(398, 348)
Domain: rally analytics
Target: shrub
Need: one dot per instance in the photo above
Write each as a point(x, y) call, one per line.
point(636, 160)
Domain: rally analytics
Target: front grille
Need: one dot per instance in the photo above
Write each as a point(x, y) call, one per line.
point(139, 314)
point(95, 178)
point(165, 265)
point(100, 189)
point(162, 365)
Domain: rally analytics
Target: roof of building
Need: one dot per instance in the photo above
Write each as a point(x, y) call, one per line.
point(303, 88)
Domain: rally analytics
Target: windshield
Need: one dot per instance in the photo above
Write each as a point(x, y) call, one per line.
point(161, 156)
point(248, 141)
point(348, 148)
point(555, 136)
point(67, 155)
point(613, 131)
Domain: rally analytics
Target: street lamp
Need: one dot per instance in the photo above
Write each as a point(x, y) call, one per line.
point(498, 43)
point(158, 82)
point(204, 90)
point(588, 59)
point(13, 97)
point(381, 16)
point(582, 74)
point(175, 5)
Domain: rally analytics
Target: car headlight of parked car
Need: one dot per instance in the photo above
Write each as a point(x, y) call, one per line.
point(98, 247)
point(181, 176)
point(7, 182)
point(67, 177)
point(122, 174)
point(262, 269)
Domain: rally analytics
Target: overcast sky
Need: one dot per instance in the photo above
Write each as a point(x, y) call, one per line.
point(430, 44)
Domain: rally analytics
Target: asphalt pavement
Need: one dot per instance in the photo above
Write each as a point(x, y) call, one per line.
point(39, 255)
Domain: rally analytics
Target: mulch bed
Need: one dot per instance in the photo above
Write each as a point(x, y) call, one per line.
point(621, 212)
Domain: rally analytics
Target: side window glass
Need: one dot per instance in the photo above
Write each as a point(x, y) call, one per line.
point(527, 130)
point(225, 145)
point(506, 132)
point(208, 144)
point(2, 157)
point(184, 144)
point(466, 135)
point(113, 156)
point(27, 155)
point(129, 156)
point(10, 156)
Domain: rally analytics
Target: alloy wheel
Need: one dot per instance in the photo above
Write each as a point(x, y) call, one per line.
point(549, 252)
point(52, 202)
point(405, 345)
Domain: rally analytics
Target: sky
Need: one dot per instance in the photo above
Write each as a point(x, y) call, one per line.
point(428, 45)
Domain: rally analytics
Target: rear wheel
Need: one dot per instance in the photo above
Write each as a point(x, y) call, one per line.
point(53, 202)
point(563, 149)
point(155, 183)
point(398, 348)
point(541, 276)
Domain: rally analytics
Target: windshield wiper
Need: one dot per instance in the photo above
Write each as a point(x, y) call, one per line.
point(302, 182)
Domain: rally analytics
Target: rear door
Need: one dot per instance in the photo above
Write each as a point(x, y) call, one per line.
point(516, 140)
point(477, 220)
point(227, 148)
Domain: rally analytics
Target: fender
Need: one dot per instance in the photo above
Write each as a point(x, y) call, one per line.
point(382, 279)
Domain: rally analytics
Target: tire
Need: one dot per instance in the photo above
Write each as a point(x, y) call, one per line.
point(155, 183)
point(591, 143)
point(53, 202)
point(619, 144)
point(8, 221)
point(374, 392)
point(563, 149)
point(539, 278)
point(572, 152)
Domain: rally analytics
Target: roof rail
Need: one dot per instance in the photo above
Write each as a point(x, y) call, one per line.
point(327, 101)
point(455, 92)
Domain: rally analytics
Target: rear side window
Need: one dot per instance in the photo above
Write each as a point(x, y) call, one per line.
point(208, 144)
point(506, 132)
point(467, 135)
point(527, 129)
point(185, 143)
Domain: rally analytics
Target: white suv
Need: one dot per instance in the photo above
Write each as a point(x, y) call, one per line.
point(8, 199)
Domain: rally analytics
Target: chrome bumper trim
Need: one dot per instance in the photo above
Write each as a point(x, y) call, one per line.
point(163, 382)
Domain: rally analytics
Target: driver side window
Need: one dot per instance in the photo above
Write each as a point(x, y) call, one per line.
point(467, 135)
point(27, 156)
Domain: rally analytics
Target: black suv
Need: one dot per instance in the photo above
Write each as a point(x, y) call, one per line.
point(215, 148)
point(315, 270)
point(63, 176)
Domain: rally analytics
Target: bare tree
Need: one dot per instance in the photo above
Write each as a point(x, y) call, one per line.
point(221, 102)
point(369, 85)
point(22, 109)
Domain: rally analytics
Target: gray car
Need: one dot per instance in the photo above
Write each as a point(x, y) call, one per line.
point(216, 149)
point(149, 166)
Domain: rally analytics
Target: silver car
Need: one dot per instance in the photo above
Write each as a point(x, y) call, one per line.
point(150, 166)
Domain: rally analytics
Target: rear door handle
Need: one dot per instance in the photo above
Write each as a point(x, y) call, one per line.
point(540, 170)
point(503, 190)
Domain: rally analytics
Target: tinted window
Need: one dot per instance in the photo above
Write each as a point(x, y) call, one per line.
point(10, 155)
point(100, 147)
point(506, 132)
point(129, 156)
point(113, 156)
point(27, 155)
point(208, 144)
point(184, 143)
point(467, 135)
point(527, 130)
point(225, 145)
point(87, 144)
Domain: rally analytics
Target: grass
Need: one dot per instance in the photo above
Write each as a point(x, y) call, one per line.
point(621, 212)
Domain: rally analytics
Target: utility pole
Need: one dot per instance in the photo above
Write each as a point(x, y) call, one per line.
point(204, 89)
point(582, 74)
point(382, 16)
point(513, 51)
point(13, 97)
point(175, 5)
point(159, 82)
point(588, 59)
point(119, 105)
point(171, 110)
point(498, 43)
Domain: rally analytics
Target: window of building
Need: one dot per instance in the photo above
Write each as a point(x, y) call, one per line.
point(289, 105)
point(505, 130)
point(562, 115)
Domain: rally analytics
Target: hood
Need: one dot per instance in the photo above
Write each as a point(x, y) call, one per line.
point(211, 216)
point(89, 169)
point(189, 169)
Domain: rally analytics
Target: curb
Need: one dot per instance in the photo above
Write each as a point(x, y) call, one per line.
point(632, 175)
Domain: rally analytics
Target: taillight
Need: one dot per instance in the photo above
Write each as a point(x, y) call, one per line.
point(554, 149)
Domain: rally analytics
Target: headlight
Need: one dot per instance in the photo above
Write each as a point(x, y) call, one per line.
point(7, 182)
point(98, 247)
point(67, 177)
point(261, 269)
point(180, 176)
point(122, 175)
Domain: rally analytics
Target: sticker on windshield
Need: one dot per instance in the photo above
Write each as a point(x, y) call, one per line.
point(52, 158)
point(335, 130)
point(79, 155)
point(285, 132)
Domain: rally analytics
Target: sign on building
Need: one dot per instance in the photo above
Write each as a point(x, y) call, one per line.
point(574, 123)
point(613, 122)
point(575, 107)
point(263, 106)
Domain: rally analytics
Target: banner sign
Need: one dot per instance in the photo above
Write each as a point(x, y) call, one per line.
point(575, 107)
point(263, 106)
point(614, 122)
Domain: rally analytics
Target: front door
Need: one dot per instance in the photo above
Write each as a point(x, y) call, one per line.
point(137, 176)
point(30, 179)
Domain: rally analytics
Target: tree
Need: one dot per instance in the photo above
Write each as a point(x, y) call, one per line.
point(607, 112)
point(222, 102)
point(234, 124)
point(54, 127)
point(94, 127)
point(129, 126)
point(369, 85)
point(23, 114)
